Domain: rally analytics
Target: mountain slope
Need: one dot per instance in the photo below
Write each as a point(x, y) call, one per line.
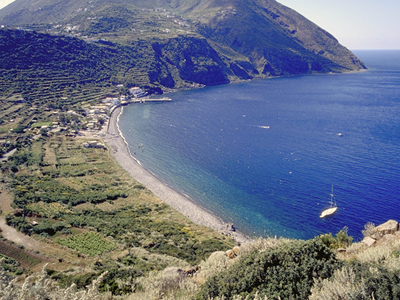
point(272, 36)
point(238, 39)
point(173, 63)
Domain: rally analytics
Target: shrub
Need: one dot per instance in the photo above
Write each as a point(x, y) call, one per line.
point(286, 272)
point(342, 285)
point(359, 281)
point(342, 239)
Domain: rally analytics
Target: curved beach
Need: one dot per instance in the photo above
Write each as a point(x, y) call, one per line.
point(120, 151)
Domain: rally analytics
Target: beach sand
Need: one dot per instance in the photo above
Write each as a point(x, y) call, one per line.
point(119, 150)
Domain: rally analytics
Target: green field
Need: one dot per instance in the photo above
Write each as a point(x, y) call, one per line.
point(88, 243)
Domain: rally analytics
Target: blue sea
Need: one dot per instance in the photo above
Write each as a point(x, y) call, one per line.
point(265, 154)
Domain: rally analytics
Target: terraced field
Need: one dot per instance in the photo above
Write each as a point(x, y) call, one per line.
point(79, 196)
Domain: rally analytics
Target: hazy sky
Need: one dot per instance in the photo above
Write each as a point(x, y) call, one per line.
point(4, 3)
point(357, 24)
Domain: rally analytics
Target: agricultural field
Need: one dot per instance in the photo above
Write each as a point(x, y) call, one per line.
point(78, 202)
point(88, 243)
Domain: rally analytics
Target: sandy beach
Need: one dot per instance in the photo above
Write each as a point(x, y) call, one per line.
point(119, 150)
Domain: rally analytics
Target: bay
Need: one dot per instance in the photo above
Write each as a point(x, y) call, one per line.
point(264, 154)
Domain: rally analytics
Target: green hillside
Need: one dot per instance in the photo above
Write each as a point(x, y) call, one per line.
point(32, 62)
point(253, 38)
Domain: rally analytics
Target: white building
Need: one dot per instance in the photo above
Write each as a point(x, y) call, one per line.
point(137, 92)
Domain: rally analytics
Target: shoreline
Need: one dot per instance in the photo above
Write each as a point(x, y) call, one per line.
point(120, 151)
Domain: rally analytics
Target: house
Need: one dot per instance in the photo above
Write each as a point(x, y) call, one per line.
point(137, 92)
point(94, 144)
point(115, 101)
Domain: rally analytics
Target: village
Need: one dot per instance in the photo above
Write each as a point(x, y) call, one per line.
point(90, 121)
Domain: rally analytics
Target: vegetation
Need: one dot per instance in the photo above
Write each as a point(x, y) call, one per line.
point(284, 272)
point(44, 288)
point(88, 243)
point(263, 269)
point(79, 198)
point(342, 239)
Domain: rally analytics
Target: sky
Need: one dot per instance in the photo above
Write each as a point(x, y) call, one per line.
point(4, 3)
point(357, 24)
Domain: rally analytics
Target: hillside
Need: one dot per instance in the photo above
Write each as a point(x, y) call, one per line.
point(35, 61)
point(222, 41)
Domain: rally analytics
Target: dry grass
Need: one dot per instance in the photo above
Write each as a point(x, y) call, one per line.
point(342, 285)
point(10, 110)
point(384, 253)
point(172, 284)
point(48, 209)
point(49, 155)
point(5, 199)
point(42, 287)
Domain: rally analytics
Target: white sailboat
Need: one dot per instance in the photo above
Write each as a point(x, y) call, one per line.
point(332, 209)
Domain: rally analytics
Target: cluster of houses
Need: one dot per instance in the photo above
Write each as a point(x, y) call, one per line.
point(97, 115)
point(94, 117)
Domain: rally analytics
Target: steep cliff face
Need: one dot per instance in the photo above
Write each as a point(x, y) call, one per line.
point(191, 60)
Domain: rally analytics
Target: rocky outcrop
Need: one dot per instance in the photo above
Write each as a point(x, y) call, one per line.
point(233, 253)
point(369, 241)
point(383, 234)
point(390, 227)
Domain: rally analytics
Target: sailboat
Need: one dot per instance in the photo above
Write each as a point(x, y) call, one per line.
point(332, 209)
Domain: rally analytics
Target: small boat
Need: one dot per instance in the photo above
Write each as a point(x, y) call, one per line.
point(339, 134)
point(332, 209)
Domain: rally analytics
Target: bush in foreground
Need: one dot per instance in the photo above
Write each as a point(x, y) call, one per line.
point(284, 272)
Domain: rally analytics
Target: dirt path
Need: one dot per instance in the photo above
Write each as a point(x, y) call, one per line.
point(17, 237)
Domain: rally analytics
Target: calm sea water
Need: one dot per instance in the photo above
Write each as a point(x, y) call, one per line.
point(264, 154)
